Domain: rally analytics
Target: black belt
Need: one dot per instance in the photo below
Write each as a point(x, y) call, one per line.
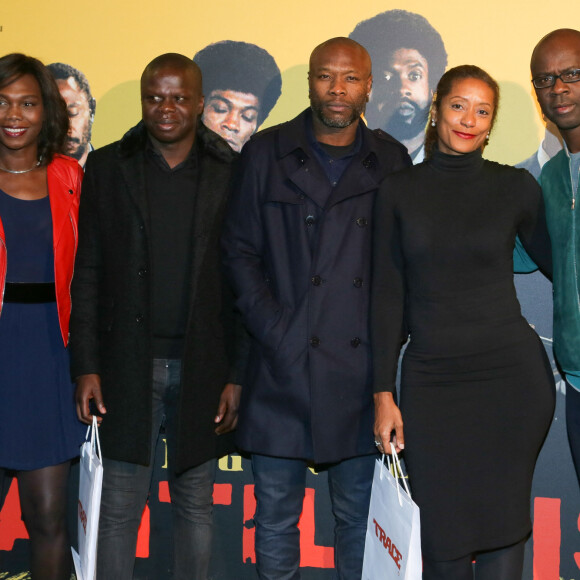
point(29, 293)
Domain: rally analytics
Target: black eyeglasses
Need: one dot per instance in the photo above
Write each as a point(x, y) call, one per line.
point(546, 81)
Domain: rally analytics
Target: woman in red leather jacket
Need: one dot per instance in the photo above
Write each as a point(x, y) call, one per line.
point(39, 195)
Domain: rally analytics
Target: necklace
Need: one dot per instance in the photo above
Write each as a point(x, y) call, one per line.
point(19, 171)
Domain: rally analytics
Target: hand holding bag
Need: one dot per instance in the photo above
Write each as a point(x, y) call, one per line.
point(393, 539)
point(89, 505)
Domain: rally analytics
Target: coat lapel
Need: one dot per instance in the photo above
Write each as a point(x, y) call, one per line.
point(302, 170)
point(360, 178)
point(307, 175)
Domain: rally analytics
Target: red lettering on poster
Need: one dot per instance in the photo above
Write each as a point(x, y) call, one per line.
point(164, 495)
point(577, 554)
point(249, 531)
point(11, 526)
point(143, 536)
point(311, 555)
point(547, 532)
point(222, 493)
point(547, 538)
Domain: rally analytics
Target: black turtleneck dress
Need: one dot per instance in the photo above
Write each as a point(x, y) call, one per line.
point(477, 390)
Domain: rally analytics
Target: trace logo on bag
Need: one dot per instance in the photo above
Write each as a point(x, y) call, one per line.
point(83, 516)
point(388, 544)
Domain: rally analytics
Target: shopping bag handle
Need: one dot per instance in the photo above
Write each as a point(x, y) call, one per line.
point(95, 440)
point(397, 472)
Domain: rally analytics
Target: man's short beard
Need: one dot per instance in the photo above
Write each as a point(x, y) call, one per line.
point(340, 123)
point(357, 109)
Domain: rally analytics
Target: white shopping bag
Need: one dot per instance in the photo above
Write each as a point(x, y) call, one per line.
point(89, 505)
point(393, 540)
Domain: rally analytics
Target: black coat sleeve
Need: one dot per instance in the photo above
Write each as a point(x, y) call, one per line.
point(84, 341)
point(387, 292)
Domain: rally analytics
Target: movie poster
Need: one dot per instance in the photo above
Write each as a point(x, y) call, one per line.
point(254, 59)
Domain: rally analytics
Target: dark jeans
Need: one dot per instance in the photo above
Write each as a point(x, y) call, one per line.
point(126, 488)
point(573, 424)
point(279, 488)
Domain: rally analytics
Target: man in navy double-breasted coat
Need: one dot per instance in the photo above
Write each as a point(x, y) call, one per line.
point(297, 246)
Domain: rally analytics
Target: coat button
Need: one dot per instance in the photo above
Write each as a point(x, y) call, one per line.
point(362, 222)
point(142, 272)
point(355, 342)
point(141, 227)
point(139, 318)
point(314, 342)
point(71, 191)
point(309, 221)
point(316, 280)
point(357, 282)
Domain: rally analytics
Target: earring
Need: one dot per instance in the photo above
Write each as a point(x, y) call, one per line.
point(487, 137)
point(433, 123)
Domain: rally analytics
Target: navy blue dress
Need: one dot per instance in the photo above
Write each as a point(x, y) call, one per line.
point(38, 422)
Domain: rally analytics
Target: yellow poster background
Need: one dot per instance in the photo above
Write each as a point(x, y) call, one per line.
point(111, 42)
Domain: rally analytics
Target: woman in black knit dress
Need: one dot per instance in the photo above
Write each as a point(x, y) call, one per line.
point(477, 391)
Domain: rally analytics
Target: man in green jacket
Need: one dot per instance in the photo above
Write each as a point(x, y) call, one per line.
point(555, 69)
